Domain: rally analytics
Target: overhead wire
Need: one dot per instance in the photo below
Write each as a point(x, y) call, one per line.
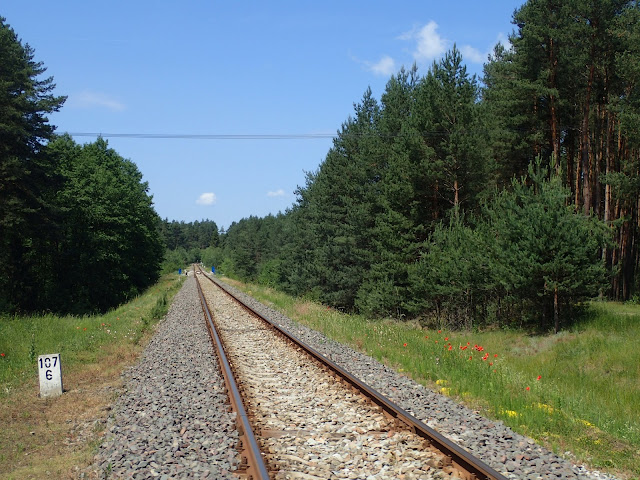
point(293, 136)
point(285, 136)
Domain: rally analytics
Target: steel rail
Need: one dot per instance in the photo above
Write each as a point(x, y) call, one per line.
point(471, 466)
point(252, 462)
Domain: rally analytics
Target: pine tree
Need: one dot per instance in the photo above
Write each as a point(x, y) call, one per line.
point(28, 178)
point(457, 136)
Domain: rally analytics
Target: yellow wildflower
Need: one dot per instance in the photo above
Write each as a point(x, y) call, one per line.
point(547, 408)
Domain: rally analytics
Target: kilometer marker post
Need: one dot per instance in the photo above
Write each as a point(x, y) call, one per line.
point(50, 373)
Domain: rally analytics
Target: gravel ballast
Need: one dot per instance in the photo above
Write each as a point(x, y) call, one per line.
point(173, 422)
point(508, 452)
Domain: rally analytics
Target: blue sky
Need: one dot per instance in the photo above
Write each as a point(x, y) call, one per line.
point(229, 69)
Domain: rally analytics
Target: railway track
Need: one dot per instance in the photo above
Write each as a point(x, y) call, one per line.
point(300, 416)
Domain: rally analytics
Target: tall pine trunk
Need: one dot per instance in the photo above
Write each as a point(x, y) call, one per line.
point(585, 154)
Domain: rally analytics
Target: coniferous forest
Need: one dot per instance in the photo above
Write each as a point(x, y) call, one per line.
point(78, 232)
point(507, 199)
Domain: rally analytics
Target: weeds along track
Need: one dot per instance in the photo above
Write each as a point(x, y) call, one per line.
point(311, 423)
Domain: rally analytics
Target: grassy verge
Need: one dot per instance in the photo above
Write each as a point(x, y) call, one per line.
point(55, 438)
point(578, 391)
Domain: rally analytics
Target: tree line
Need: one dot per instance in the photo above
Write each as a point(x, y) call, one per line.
point(512, 199)
point(78, 231)
point(189, 242)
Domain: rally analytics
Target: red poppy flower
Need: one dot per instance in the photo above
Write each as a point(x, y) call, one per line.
point(471, 357)
point(1, 354)
point(404, 344)
point(450, 347)
point(439, 331)
point(527, 389)
point(495, 355)
point(446, 339)
point(539, 377)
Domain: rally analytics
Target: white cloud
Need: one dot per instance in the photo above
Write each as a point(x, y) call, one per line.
point(430, 44)
point(277, 193)
point(89, 99)
point(206, 199)
point(504, 40)
point(385, 66)
point(472, 54)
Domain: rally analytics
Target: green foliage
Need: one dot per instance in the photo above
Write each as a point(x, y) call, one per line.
point(175, 260)
point(109, 235)
point(194, 235)
point(567, 91)
point(79, 233)
point(250, 244)
point(451, 275)
point(270, 273)
point(212, 257)
point(28, 177)
point(528, 253)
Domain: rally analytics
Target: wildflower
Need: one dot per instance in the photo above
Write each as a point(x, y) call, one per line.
point(404, 344)
point(470, 357)
point(445, 391)
point(450, 347)
point(490, 364)
point(527, 389)
point(1, 354)
point(446, 339)
point(441, 382)
point(539, 377)
point(546, 408)
point(463, 347)
point(439, 331)
point(495, 355)
point(84, 328)
point(426, 336)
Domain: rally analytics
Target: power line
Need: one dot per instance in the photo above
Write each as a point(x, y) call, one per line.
point(301, 136)
point(285, 136)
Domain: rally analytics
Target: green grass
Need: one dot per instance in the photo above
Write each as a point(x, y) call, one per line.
point(577, 391)
point(94, 352)
point(79, 340)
